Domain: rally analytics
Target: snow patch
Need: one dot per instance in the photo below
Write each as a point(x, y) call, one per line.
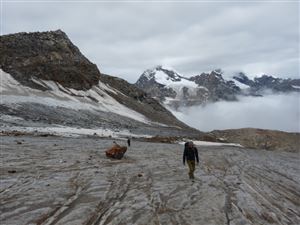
point(9, 118)
point(75, 132)
point(148, 74)
point(178, 86)
point(206, 143)
point(96, 98)
point(162, 78)
point(240, 85)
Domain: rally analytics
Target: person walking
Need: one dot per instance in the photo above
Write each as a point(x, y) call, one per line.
point(190, 155)
point(128, 142)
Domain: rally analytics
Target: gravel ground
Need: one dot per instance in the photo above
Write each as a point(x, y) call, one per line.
point(57, 180)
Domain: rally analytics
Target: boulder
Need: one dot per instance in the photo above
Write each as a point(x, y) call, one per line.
point(116, 151)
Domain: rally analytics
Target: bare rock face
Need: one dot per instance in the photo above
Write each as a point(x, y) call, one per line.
point(48, 56)
point(116, 151)
point(218, 87)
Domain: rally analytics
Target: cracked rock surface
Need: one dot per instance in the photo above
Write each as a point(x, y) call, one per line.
point(56, 180)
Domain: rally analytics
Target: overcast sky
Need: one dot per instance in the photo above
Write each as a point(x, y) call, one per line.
point(124, 39)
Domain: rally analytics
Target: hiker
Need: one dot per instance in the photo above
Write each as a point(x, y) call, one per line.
point(128, 142)
point(190, 154)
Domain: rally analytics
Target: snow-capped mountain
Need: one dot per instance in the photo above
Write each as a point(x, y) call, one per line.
point(172, 88)
point(176, 90)
point(47, 84)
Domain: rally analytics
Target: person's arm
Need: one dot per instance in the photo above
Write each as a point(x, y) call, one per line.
point(196, 153)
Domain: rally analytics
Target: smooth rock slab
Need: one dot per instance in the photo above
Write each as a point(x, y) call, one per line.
point(71, 181)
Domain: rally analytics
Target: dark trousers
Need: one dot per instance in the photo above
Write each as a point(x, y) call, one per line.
point(191, 164)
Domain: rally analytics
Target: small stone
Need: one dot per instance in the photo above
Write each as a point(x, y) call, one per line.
point(269, 216)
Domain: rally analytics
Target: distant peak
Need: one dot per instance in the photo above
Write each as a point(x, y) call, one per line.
point(218, 71)
point(159, 67)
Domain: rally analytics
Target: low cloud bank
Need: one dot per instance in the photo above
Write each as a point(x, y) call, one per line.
point(276, 112)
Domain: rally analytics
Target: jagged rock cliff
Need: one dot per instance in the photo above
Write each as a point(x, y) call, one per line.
point(48, 56)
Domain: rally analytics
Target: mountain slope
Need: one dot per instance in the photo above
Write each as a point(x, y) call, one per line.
point(46, 81)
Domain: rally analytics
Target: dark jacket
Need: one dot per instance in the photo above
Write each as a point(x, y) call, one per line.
point(190, 153)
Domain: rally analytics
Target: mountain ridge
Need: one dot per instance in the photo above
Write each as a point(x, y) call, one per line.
point(200, 89)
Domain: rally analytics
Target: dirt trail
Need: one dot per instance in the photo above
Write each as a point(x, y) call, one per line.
point(49, 180)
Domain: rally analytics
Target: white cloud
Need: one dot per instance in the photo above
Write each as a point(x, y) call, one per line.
point(124, 39)
point(278, 112)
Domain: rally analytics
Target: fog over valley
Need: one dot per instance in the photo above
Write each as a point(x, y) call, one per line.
point(279, 112)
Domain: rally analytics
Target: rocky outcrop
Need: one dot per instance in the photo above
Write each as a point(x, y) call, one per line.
point(116, 151)
point(47, 56)
point(260, 138)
